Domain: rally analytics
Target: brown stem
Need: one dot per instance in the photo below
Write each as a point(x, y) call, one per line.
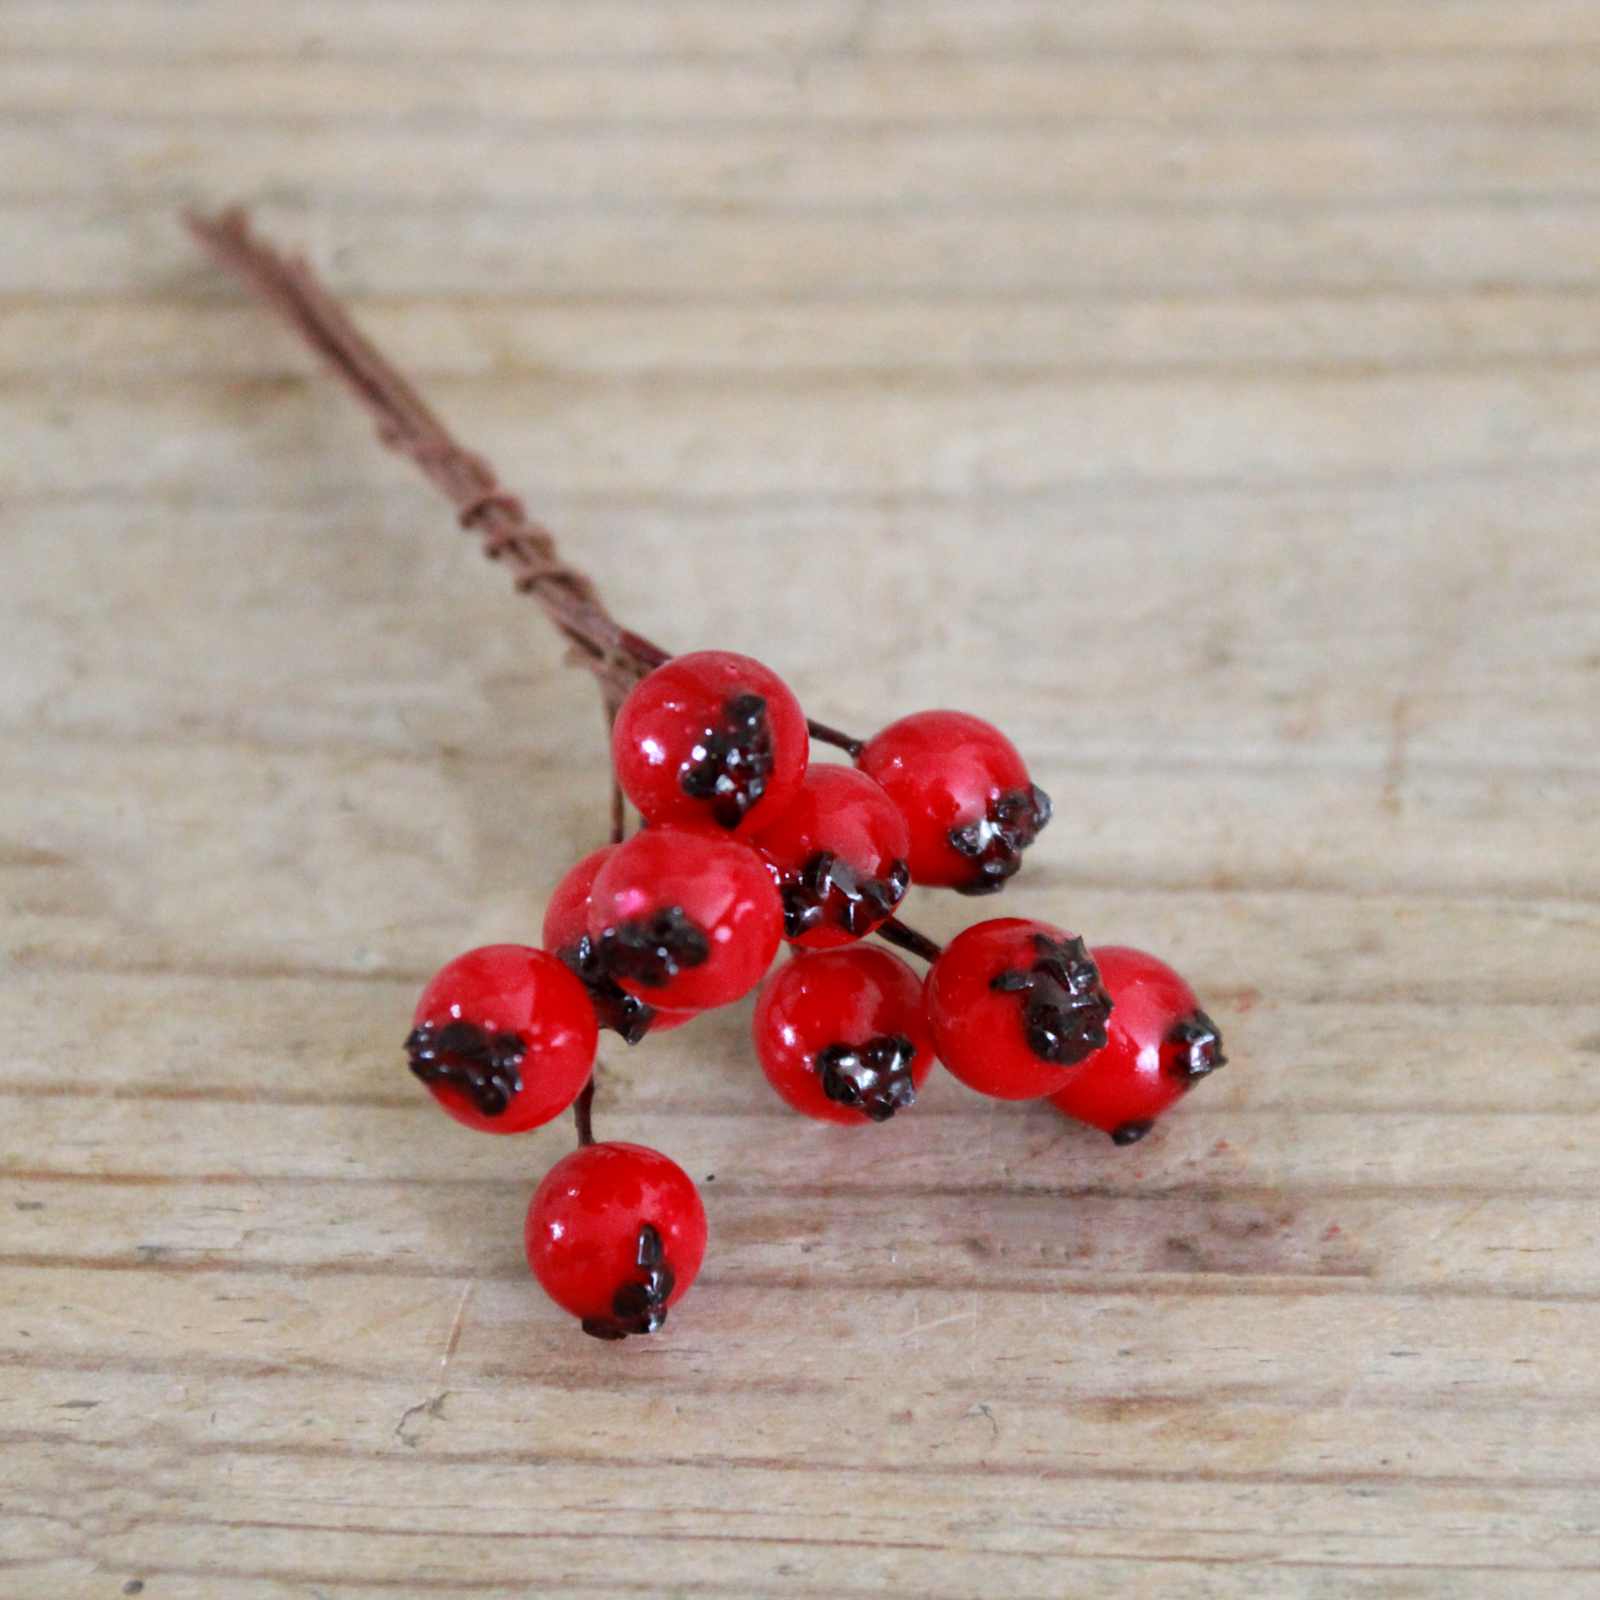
point(895, 932)
point(619, 804)
point(823, 734)
point(619, 815)
point(617, 656)
point(582, 1109)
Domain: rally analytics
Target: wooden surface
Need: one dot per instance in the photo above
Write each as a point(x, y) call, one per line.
point(1210, 393)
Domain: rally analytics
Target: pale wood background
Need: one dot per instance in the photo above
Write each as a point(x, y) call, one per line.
point(1207, 391)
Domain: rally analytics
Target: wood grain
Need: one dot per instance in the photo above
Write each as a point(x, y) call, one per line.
point(1210, 393)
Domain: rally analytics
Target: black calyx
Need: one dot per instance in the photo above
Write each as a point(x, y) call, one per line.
point(641, 1306)
point(1195, 1048)
point(828, 890)
point(995, 842)
point(874, 1078)
point(731, 762)
point(653, 950)
point(483, 1066)
point(1066, 1007)
point(614, 1007)
point(1130, 1132)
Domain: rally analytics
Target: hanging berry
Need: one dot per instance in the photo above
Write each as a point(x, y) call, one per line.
point(965, 794)
point(504, 1037)
point(684, 919)
point(1014, 1004)
point(711, 737)
point(838, 856)
point(1159, 1045)
point(843, 1034)
point(615, 1234)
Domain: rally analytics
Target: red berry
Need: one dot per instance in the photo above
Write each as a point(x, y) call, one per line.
point(838, 856)
point(711, 737)
point(1160, 1045)
point(1014, 1004)
point(965, 794)
point(566, 934)
point(843, 1034)
point(566, 913)
point(615, 1235)
point(504, 1037)
point(685, 920)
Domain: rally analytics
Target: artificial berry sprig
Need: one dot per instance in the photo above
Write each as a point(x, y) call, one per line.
point(744, 842)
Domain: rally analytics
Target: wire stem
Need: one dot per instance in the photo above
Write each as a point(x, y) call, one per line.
point(405, 424)
point(823, 734)
point(286, 284)
point(895, 932)
point(582, 1113)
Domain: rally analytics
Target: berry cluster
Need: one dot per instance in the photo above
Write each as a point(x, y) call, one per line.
point(745, 844)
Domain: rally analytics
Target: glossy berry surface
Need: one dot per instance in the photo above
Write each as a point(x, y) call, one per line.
point(1160, 1044)
point(615, 1234)
point(843, 1035)
point(504, 1037)
point(713, 738)
point(566, 913)
point(838, 856)
point(566, 935)
point(965, 794)
point(684, 919)
point(1015, 1005)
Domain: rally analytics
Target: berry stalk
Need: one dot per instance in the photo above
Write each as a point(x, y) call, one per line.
point(582, 1113)
point(895, 932)
point(823, 734)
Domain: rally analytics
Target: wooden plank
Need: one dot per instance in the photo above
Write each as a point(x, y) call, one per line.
point(423, 93)
point(1155, 1240)
point(1272, 425)
point(171, 339)
point(1017, 28)
point(962, 171)
point(660, 255)
point(1207, 393)
point(1214, 1144)
point(1211, 1342)
point(1378, 717)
